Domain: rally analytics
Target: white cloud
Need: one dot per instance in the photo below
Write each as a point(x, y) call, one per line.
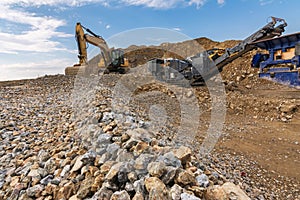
point(34, 3)
point(221, 2)
point(177, 29)
point(198, 3)
point(38, 37)
point(265, 2)
point(33, 69)
point(162, 4)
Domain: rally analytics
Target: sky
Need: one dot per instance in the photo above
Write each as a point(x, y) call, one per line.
point(37, 36)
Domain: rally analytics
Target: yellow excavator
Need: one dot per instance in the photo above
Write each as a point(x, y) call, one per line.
point(112, 59)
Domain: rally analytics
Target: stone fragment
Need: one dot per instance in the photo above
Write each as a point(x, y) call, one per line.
point(183, 154)
point(103, 194)
point(43, 155)
point(120, 195)
point(186, 196)
point(98, 182)
point(156, 188)
point(78, 164)
point(104, 169)
point(124, 156)
point(35, 191)
point(175, 192)
point(132, 176)
point(185, 178)
point(169, 159)
point(169, 175)
point(66, 191)
point(288, 109)
point(50, 165)
point(14, 180)
point(138, 196)
point(65, 170)
point(140, 147)
point(142, 161)
point(46, 180)
point(88, 158)
point(113, 172)
point(226, 191)
point(74, 197)
point(156, 169)
point(85, 188)
point(202, 180)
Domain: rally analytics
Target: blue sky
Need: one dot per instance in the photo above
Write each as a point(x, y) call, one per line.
point(37, 36)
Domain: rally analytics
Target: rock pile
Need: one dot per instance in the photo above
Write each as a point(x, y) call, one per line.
point(47, 153)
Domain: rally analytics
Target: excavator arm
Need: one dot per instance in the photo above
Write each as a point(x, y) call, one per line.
point(81, 44)
point(92, 38)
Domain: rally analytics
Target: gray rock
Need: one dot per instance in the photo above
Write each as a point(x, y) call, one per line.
point(123, 172)
point(139, 186)
point(104, 139)
point(103, 194)
point(65, 170)
point(142, 161)
point(100, 151)
point(129, 187)
point(107, 116)
point(202, 180)
point(35, 191)
point(170, 159)
point(113, 149)
point(186, 196)
point(88, 157)
point(175, 192)
point(169, 175)
point(140, 134)
point(124, 156)
point(56, 181)
point(46, 180)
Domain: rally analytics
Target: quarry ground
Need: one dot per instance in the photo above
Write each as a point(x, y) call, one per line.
point(259, 148)
point(260, 138)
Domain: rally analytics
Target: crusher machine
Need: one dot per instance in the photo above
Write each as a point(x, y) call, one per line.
point(281, 62)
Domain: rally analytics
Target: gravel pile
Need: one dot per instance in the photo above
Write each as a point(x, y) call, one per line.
point(50, 150)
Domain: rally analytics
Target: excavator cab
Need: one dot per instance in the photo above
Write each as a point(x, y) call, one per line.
point(118, 62)
point(117, 57)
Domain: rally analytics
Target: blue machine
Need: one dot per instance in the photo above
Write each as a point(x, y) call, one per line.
point(281, 63)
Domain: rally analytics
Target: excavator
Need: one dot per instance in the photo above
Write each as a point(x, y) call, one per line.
point(112, 59)
point(206, 64)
